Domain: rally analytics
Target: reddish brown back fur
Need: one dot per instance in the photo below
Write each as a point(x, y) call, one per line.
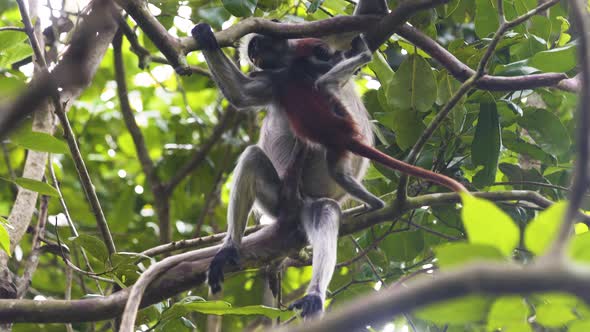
point(312, 116)
point(305, 46)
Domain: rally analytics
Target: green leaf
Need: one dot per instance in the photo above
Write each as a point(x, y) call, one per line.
point(240, 8)
point(508, 311)
point(558, 60)
point(413, 86)
point(547, 131)
point(580, 326)
point(381, 69)
point(564, 37)
point(194, 303)
point(11, 38)
point(15, 53)
point(122, 212)
point(517, 174)
point(486, 20)
point(485, 223)
point(515, 69)
point(458, 253)
point(93, 246)
point(542, 230)
point(579, 249)
point(224, 308)
point(4, 237)
point(468, 309)
point(406, 124)
point(518, 145)
point(404, 246)
point(554, 314)
point(314, 5)
point(13, 47)
point(37, 141)
point(485, 149)
point(42, 188)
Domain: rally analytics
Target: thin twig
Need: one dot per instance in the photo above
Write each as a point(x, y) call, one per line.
point(12, 29)
point(85, 180)
point(84, 176)
point(73, 229)
point(463, 90)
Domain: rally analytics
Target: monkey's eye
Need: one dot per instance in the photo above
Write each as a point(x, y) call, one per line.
point(322, 53)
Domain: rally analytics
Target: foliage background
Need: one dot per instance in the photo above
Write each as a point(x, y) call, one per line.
point(515, 140)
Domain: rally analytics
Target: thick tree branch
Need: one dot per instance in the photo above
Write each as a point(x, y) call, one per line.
point(389, 24)
point(166, 43)
point(89, 43)
point(32, 97)
point(483, 278)
point(266, 245)
point(462, 72)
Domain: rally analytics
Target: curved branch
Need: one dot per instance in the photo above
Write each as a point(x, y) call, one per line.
point(462, 72)
point(389, 24)
point(267, 245)
point(482, 278)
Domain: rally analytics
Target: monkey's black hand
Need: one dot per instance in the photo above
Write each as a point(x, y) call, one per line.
point(357, 46)
point(310, 305)
point(203, 34)
point(224, 255)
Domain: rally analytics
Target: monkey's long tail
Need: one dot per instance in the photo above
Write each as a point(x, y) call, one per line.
point(371, 153)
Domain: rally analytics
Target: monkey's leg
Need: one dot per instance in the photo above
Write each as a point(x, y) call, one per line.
point(255, 179)
point(320, 219)
point(341, 171)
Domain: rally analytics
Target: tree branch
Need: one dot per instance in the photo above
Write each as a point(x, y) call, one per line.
point(580, 179)
point(265, 246)
point(467, 85)
point(483, 278)
point(389, 24)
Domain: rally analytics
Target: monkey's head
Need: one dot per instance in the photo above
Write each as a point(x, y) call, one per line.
point(270, 53)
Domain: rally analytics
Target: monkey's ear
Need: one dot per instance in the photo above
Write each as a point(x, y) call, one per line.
point(243, 49)
point(204, 36)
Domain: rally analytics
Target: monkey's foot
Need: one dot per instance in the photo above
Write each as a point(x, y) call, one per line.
point(215, 276)
point(377, 205)
point(310, 305)
point(204, 36)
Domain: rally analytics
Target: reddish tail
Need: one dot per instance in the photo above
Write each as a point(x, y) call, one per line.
point(398, 165)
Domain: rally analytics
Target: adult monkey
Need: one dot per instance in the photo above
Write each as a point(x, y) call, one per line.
point(261, 167)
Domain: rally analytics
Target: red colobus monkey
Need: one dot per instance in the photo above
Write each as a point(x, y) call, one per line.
point(305, 85)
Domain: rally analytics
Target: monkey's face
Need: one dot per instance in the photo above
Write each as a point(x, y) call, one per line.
point(315, 53)
point(268, 53)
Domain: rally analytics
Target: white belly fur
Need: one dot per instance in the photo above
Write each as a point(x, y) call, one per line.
point(279, 143)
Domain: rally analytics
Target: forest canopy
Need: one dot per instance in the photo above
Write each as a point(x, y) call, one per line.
point(118, 149)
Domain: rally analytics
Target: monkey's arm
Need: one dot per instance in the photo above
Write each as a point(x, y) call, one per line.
point(335, 78)
point(377, 7)
point(242, 91)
